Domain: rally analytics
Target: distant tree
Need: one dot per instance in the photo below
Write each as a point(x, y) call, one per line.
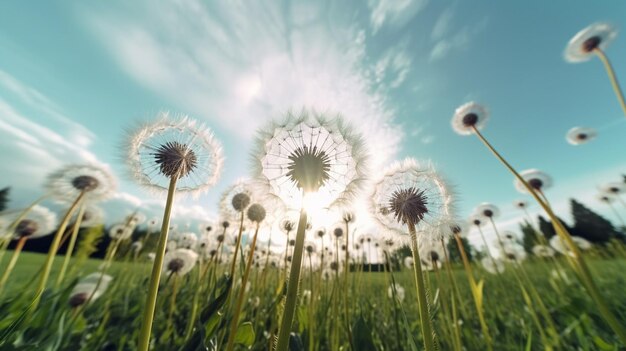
point(4, 198)
point(546, 228)
point(530, 237)
point(455, 254)
point(590, 225)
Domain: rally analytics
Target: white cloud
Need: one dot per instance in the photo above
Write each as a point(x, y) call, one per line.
point(442, 26)
point(219, 65)
point(395, 13)
point(457, 42)
point(392, 69)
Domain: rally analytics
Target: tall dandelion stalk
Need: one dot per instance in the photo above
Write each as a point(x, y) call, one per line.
point(307, 158)
point(414, 198)
point(469, 119)
point(177, 156)
point(594, 40)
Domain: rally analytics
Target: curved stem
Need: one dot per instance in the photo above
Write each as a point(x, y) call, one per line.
point(612, 77)
point(54, 246)
point(425, 320)
point(157, 267)
point(234, 263)
point(70, 246)
point(13, 261)
point(242, 292)
point(577, 261)
point(292, 289)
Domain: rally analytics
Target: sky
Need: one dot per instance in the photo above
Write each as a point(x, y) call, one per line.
point(76, 76)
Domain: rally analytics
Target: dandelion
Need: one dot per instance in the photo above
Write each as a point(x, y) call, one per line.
point(89, 289)
point(76, 185)
point(609, 199)
point(514, 253)
point(520, 204)
point(37, 222)
point(179, 262)
point(92, 183)
point(307, 156)
point(539, 181)
point(580, 135)
point(92, 216)
point(256, 213)
point(469, 118)
point(413, 198)
point(188, 241)
point(408, 262)
point(561, 247)
point(543, 251)
point(177, 156)
point(121, 231)
point(594, 40)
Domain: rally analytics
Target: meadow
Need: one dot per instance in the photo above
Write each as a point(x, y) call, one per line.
point(379, 321)
point(312, 250)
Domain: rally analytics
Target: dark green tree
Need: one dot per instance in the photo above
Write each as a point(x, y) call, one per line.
point(546, 228)
point(4, 198)
point(590, 225)
point(530, 237)
point(455, 254)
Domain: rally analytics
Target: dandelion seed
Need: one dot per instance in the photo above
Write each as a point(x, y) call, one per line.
point(597, 36)
point(580, 135)
point(94, 182)
point(121, 231)
point(543, 251)
point(538, 180)
point(175, 147)
point(469, 116)
point(179, 262)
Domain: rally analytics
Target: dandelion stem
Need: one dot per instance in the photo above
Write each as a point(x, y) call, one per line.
point(242, 292)
point(577, 261)
point(54, 247)
point(234, 263)
point(13, 261)
point(292, 288)
point(157, 266)
point(475, 293)
point(70, 246)
point(425, 321)
point(612, 77)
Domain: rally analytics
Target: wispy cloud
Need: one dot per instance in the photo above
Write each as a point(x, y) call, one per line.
point(217, 64)
point(460, 40)
point(395, 13)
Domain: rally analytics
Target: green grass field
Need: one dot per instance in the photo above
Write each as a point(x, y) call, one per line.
point(377, 322)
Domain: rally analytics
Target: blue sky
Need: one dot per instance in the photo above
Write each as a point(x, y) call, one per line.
point(75, 76)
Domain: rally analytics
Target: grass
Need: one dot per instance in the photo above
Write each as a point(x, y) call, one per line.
point(377, 322)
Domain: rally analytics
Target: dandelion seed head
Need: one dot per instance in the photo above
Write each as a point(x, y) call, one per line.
point(174, 147)
point(310, 153)
point(543, 251)
point(469, 116)
point(537, 180)
point(256, 213)
point(411, 193)
point(580, 135)
point(596, 36)
point(95, 182)
point(38, 222)
point(179, 261)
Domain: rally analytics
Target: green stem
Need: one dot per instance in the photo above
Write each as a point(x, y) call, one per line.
point(234, 263)
point(157, 266)
point(422, 302)
point(242, 292)
point(13, 261)
point(292, 288)
point(578, 262)
point(54, 246)
point(474, 287)
point(612, 77)
point(70, 246)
